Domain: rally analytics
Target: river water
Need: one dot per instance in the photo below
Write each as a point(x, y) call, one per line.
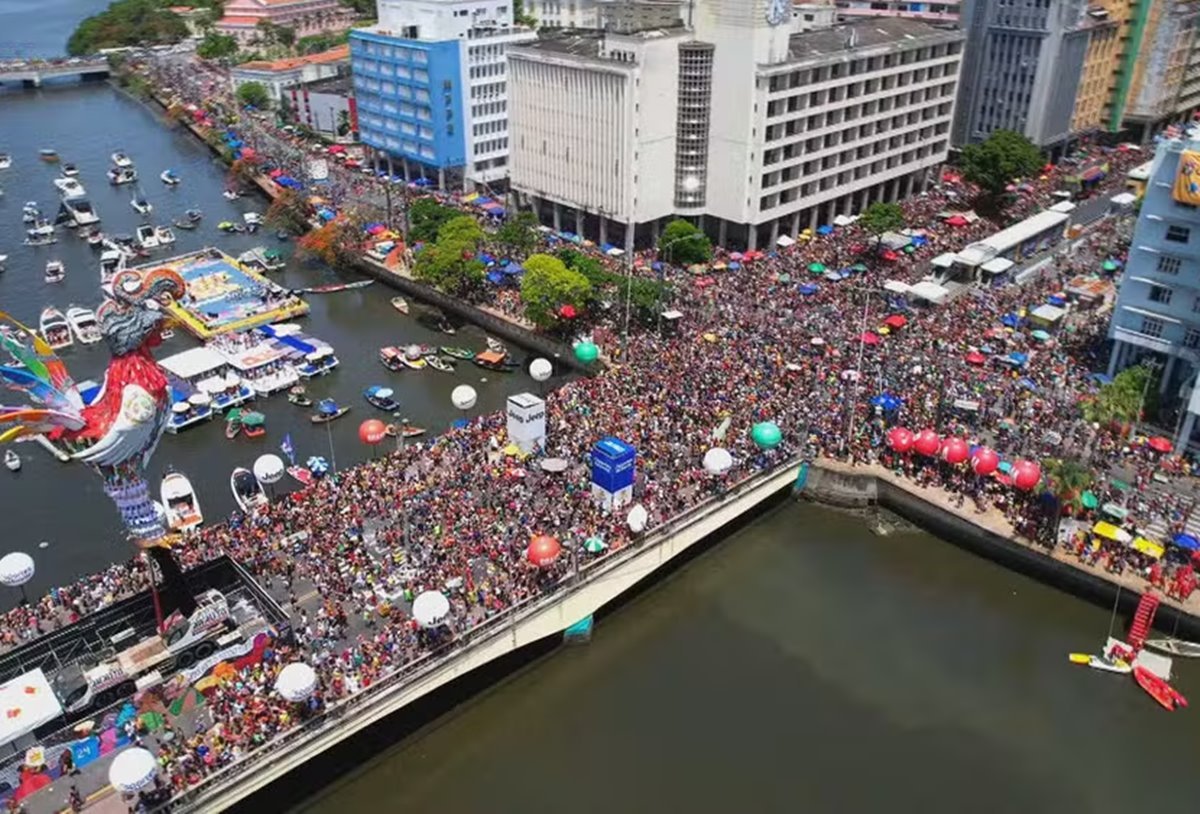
point(63, 505)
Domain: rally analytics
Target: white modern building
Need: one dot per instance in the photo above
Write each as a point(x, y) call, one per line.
point(431, 84)
point(751, 130)
point(607, 14)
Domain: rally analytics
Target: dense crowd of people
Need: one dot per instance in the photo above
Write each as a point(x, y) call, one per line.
point(770, 341)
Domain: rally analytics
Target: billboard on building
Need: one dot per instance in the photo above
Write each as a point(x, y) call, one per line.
point(1187, 179)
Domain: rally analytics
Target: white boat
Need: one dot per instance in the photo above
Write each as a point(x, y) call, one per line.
point(69, 170)
point(41, 228)
point(140, 204)
point(122, 175)
point(111, 261)
point(69, 188)
point(262, 259)
point(231, 194)
point(496, 346)
point(54, 328)
point(81, 211)
point(120, 159)
point(169, 177)
point(146, 237)
point(5, 161)
point(12, 460)
point(3, 260)
point(180, 502)
point(30, 212)
point(253, 220)
point(56, 272)
point(164, 234)
point(247, 491)
point(1175, 647)
point(84, 325)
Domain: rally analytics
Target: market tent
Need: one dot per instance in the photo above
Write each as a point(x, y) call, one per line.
point(896, 287)
point(894, 240)
point(931, 292)
point(1148, 547)
point(784, 241)
point(1110, 532)
point(1048, 314)
point(997, 265)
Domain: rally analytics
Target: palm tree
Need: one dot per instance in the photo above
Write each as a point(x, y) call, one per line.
point(1069, 479)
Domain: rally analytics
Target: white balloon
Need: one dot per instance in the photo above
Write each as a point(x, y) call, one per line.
point(296, 682)
point(540, 369)
point(133, 769)
point(464, 397)
point(16, 569)
point(268, 469)
point(717, 461)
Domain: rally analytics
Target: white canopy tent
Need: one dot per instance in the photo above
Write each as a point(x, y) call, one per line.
point(997, 265)
point(943, 261)
point(932, 292)
point(896, 287)
point(784, 241)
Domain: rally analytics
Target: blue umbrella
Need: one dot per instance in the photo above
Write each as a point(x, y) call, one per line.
point(460, 423)
point(495, 277)
point(1010, 320)
point(1056, 300)
point(327, 407)
point(807, 289)
point(825, 230)
point(887, 402)
point(1029, 384)
point(317, 465)
point(1186, 541)
point(656, 266)
point(734, 265)
point(1018, 359)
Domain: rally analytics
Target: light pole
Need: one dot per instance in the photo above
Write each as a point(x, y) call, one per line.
point(1152, 366)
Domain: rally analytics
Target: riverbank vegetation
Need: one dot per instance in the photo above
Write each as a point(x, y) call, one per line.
point(127, 23)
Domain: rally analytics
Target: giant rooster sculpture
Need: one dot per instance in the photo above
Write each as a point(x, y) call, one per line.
point(117, 432)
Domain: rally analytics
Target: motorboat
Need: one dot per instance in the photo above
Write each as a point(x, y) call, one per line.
point(40, 239)
point(146, 236)
point(231, 194)
point(84, 325)
point(457, 353)
point(1157, 688)
point(140, 204)
point(298, 396)
point(414, 358)
point(3, 260)
point(169, 178)
point(30, 212)
point(496, 346)
point(122, 175)
point(262, 259)
point(12, 461)
point(381, 398)
point(111, 261)
point(491, 360)
point(69, 170)
point(193, 215)
point(247, 491)
point(440, 364)
point(392, 358)
point(405, 431)
point(254, 424)
point(253, 220)
point(95, 237)
point(1175, 647)
point(229, 226)
point(121, 160)
point(5, 161)
point(164, 234)
point(56, 272)
point(69, 188)
point(328, 410)
point(48, 155)
point(54, 328)
point(302, 475)
point(317, 363)
point(1104, 663)
point(180, 502)
point(186, 225)
point(79, 211)
point(333, 288)
point(233, 423)
point(400, 304)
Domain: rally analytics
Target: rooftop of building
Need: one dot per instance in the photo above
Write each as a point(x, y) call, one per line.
point(897, 32)
point(338, 54)
point(588, 42)
point(340, 85)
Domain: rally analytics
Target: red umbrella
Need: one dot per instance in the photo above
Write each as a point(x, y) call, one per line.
point(334, 149)
point(1026, 475)
point(890, 255)
point(975, 358)
point(955, 451)
point(927, 443)
point(895, 321)
point(567, 312)
point(985, 461)
point(1159, 444)
point(956, 220)
point(543, 550)
point(900, 439)
point(275, 173)
point(868, 338)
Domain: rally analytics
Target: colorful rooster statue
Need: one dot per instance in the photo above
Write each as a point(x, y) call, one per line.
point(117, 432)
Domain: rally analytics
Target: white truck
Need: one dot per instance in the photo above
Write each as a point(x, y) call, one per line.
point(144, 664)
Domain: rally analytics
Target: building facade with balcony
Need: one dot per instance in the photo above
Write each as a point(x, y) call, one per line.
point(305, 17)
point(431, 81)
point(752, 131)
point(1156, 317)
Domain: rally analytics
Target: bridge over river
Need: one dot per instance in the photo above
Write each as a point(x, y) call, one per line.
point(32, 73)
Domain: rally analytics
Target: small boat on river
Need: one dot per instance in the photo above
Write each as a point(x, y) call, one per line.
point(56, 272)
point(298, 397)
point(247, 491)
point(169, 178)
point(233, 423)
point(458, 353)
point(1167, 696)
point(328, 410)
point(12, 461)
point(120, 159)
point(301, 475)
point(332, 288)
point(1175, 647)
point(180, 502)
point(400, 304)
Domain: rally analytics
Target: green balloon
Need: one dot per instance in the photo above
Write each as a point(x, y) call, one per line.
point(587, 352)
point(766, 434)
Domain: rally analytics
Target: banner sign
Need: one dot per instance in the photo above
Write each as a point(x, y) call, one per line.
point(1187, 180)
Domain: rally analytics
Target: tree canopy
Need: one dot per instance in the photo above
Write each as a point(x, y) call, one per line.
point(254, 94)
point(1120, 401)
point(683, 244)
point(461, 229)
point(518, 234)
point(882, 217)
point(336, 244)
point(126, 23)
point(425, 217)
point(451, 263)
point(547, 286)
point(216, 46)
point(1004, 156)
point(289, 212)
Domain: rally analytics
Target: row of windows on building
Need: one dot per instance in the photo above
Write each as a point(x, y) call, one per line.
point(490, 146)
point(797, 102)
point(1154, 328)
point(484, 53)
point(815, 76)
point(418, 56)
point(365, 85)
point(395, 145)
point(370, 66)
point(489, 128)
point(488, 70)
point(852, 134)
point(832, 118)
point(872, 148)
point(484, 109)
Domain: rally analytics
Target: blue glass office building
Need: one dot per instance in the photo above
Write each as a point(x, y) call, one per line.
point(409, 96)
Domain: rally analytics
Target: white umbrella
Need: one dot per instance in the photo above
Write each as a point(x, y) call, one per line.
point(431, 608)
point(180, 407)
point(16, 569)
point(132, 770)
point(232, 379)
point(464, 397)
point(268, 469)
point(199, 399)
point(638, 517)
point(554, 465)
point(296, 682)
point(413, 352)
point(384, 392)
point(717, 461)
point(540, 369)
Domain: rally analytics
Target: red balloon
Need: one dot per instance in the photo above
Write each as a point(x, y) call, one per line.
point(985, 461)
point(372, 431)
point(900, 439)
point(1026, 475)
point(927, 443)
point(543, 550)
point(955, 451)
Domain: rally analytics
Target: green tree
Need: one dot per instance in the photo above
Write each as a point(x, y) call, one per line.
point(463, 229)
point(451, 265)
point(1068, 478)
point(127, 23)
point(216, 46)
point(1121, 400)
point(289, 212)
point(882, 217)
point(285, 36)
point(521, 16)
point(994, 164)
point(547, 286)
point(426, 217)
point(254, 94)
point(518, 234)
point(683, 244)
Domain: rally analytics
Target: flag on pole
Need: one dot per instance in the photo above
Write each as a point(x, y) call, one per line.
point(288, 449)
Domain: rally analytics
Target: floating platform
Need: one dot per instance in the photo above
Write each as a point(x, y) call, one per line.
point(225, 296)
